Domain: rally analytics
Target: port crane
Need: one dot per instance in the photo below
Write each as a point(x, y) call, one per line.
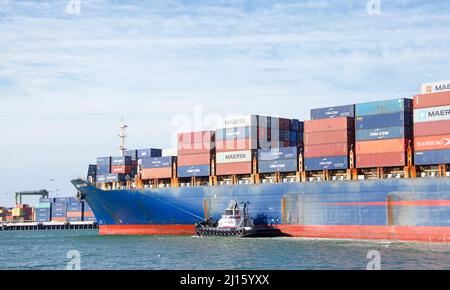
point(18, 195)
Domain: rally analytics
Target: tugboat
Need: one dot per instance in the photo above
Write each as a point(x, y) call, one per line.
point(235, 222)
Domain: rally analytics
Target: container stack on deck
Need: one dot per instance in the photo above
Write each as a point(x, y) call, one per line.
point(329, 137)
point(92, 173)
point(236, 143)
point(195, 151)
point(432, 128)
point(383, 131)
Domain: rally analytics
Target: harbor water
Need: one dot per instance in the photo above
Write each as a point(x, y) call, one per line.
point(85, 249)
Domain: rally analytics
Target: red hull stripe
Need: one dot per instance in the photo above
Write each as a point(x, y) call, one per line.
point(397, 203)
point(175, 230)
point(396, 233)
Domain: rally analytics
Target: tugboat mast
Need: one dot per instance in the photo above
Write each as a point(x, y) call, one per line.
point(122, 137)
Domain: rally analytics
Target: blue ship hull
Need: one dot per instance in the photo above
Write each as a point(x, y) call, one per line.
point(393, 209)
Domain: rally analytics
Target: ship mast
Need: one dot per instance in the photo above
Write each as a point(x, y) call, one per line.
point(122, 137)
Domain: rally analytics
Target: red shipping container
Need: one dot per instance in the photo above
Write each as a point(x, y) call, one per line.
point(196, 148)
point(337, 136)
point(203, 137)
point(431, 100)
point(156, 173)
point(235, 145)
point(234, 168)
point(441, 142)
point(381, 146)
point(120, 169)
point(194, 159)
point(431, 128)
point(340, 123)
point(326, 150)
point(381, 160)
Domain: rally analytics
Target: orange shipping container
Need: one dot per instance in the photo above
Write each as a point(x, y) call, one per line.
point(441, 142)
point(194, 159)
point(88, 214)
point(74, 214)
point(326, 150)
point(381, 160)
point(59, 219)
point(431, 100)
point(381, 146)
point(234, 168)
point(156, 173)
point(325, 137)
point(320, 125)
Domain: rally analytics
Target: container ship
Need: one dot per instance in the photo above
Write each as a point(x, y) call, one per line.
point(375, 170)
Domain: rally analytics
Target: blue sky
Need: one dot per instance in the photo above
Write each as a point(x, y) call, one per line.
point(66, 80)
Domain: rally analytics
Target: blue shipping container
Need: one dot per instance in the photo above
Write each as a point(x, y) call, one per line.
point(277, 153)
point(74, 219)
point(333, 112)
point(190, 171)
point(146, 153)
point(297, 125)
point(61, 200)
point(381, 121)
point(326, 163)
point(121, 160)
point(46, 200)
point(157, 162)
point(103, 169)
point(279, 165)
point(104, 160)
point(117, 177)
point(432, 157)
point(101, 178)
point(384, 133)
point(74, 208)
point(132, 154)
point(236, 133)
point(384, 107)
point(89, 219)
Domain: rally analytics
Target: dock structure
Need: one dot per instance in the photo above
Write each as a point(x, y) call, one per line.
point(33, 226)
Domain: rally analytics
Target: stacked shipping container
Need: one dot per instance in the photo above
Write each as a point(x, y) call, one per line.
point(328, 138)
point(74, 210)
point(239, 139)
point(383, 132)
point(195, 150)
point(121, 164)
point(88, 215)
point(284, 159)
point(157, 167)
point(236, 142)
point(432, 128)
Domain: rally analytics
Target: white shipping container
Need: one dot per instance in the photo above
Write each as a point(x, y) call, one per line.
point(234, 156)
point(436, 87)
point(432, 114)
point(169, 152)
point(241, 121)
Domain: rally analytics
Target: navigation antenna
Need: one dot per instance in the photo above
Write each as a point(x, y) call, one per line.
point(122, 137)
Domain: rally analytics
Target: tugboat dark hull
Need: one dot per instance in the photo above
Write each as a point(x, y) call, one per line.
point(259, 232)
